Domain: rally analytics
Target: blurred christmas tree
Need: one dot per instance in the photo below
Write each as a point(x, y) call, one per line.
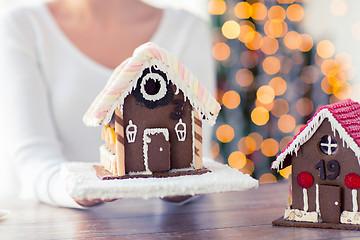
point(271, 79)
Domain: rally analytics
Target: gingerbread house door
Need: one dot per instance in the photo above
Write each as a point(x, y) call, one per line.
point(157, 149)
point(330, 203)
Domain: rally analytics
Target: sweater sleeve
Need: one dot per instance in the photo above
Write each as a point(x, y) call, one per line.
point(27, 130)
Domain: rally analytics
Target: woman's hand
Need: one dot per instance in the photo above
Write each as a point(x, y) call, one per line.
point(92, 202)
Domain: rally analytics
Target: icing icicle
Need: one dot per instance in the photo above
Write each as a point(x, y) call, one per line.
point(354, 200)
point(306, 200)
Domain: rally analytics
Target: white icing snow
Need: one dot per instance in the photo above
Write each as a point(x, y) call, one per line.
point(82, 182)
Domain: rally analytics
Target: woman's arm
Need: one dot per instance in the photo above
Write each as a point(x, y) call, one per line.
point(27, 130)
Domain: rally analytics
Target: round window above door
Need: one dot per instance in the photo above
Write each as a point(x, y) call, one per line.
point(153, 88)
point(328, 145)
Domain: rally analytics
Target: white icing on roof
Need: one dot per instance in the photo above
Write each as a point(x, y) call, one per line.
point(124, 78)
point(309, 131)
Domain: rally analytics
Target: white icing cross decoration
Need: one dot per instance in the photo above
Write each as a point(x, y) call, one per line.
point(329, 145)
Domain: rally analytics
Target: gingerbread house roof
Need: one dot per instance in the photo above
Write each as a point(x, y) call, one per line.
point(125, 76)
point(344, 118)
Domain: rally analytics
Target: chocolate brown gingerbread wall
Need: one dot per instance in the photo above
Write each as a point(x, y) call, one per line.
point(181, 155)
point(309, 159)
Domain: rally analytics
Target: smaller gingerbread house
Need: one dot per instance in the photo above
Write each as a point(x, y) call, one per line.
point(151, 111)
point(325, 159)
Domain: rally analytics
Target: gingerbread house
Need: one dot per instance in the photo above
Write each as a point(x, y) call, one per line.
point(151, 110)
point(325, 159)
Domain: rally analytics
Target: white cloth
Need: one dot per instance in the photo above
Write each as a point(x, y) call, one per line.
point(47, 84)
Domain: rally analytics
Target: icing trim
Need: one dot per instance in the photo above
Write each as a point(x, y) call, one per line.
point(317, 199)
point(306, 200)
point(354, 200)
point(162, 91)
point(147, 140)
point(131, 134)
point(180, 133)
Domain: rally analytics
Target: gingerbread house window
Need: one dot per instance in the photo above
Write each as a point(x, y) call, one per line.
point(153, 87)
point(328, 145)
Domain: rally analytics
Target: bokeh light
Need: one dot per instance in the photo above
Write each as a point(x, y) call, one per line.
point(292, 40)
point(259, 11)
point(247, 31)
point(244, 77)
point(285, 1)
point(243, 146)
point(225, 133)
point(306, 43)
point(257, 138)
point(267, 106)
point(243, 10)
point(267, 178)
point(304, 106)
point(275, 28)
point(338, 7)
point(271, 65)
point(248, 168)
point(286, 123)
point(270, 147)
point(237, 160)
point(285, 172)
point(265, 94)
point(221, 51)
point(325, 49)
point(256, 42)
point(260, 116)
point(230, 29)
point(279, 85)
point(270, 45)
point(295, 12)
point(217, 7)
point(214, 150)
point(231, 99)
point(280, 108)
point(277, 13)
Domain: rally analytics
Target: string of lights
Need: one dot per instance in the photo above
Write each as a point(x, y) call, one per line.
point(272, 76)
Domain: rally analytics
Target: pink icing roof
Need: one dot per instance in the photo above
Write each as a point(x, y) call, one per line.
point(124, 78)
point(343, 116)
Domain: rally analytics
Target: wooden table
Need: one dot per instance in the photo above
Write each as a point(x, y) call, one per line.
point(235, 215)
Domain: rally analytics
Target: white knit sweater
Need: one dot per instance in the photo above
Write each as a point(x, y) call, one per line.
point(47, 84)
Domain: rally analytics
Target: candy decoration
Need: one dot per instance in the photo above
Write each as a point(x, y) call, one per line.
point(352, 181)
point(305, 180)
